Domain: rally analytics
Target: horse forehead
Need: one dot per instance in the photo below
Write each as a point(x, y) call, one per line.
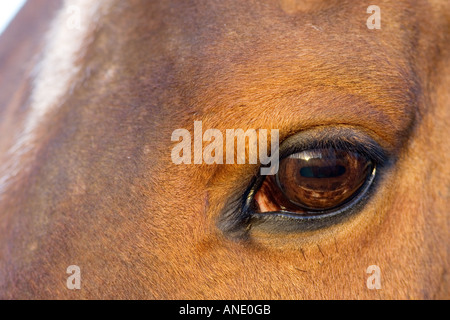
point(54, 76)
point(67, 37)
point(198, 34)
point(219, 59)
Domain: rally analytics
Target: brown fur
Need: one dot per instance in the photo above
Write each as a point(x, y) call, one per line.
point(100, 190)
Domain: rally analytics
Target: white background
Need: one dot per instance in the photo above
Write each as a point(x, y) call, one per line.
point(8, 10)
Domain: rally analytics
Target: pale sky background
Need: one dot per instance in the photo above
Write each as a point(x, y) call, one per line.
point(8, 10)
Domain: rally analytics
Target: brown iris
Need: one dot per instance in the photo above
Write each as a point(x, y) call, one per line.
point(314, 180)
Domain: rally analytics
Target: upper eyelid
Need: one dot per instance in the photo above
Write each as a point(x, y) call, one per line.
point(348, 139)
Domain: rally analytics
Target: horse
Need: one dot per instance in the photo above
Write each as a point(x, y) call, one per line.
point(94, 206)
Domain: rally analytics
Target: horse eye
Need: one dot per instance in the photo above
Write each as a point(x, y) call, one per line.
point(314, 180)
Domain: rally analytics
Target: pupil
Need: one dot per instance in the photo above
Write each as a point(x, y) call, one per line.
point(322, 172)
